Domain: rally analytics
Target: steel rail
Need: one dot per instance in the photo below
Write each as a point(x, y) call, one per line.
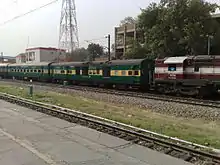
point(192, 152)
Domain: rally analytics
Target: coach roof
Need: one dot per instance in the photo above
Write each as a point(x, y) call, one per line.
point(31, 64)
point(69, 64)
point(125, 62)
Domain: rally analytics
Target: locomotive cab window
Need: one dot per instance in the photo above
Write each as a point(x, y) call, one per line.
point(172, 67)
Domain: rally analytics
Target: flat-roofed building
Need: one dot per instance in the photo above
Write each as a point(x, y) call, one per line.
point(125, 36)
point(42, 54)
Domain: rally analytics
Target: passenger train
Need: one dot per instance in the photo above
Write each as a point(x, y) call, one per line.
point(185, 75)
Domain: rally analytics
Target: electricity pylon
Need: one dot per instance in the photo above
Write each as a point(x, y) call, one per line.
point(68, 37)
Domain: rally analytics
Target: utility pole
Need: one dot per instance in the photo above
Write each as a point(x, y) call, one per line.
point(68, 37)
point(109, 47)
point(2, 58)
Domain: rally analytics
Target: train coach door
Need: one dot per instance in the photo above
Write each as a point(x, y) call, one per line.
point(197, 71)
point(106, 71)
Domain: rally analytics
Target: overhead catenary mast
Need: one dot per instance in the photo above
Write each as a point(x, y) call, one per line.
point(68, 37)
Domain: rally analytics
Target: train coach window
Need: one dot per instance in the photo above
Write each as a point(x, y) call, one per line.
point(62, 71)
point(123, 72)
point(35, 70)
point(39, 71)
point(130, 73)
point(136, 72)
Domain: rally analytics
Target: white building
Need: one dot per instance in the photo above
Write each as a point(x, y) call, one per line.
point(42, 54)
point(21, 58)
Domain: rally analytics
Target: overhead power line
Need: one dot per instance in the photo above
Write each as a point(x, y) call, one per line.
point(31, 11)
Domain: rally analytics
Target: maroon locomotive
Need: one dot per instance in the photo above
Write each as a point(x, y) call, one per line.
point(188, 75)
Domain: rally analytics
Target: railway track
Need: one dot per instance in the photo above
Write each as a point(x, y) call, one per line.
point(193, 153)
point(167, 98)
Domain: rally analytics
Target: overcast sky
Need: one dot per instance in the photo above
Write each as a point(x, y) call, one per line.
point(96, 18)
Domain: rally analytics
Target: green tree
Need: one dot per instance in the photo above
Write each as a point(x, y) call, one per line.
point(95, 50)
point(80, 54)
point(178, 27)
point(138, 51)
point(127, 20)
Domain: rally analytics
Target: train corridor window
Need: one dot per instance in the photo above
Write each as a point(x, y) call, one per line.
point(172, 67)
point(130, 73)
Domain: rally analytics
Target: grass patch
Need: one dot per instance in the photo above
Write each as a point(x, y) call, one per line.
point(194, 130)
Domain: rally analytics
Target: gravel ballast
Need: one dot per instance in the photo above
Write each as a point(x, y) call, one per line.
point(168, 108)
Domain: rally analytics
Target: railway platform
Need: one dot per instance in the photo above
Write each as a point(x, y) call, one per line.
point(28, 137)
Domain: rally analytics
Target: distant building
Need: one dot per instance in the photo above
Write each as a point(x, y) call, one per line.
point(7, 59)
point(125, 36)
point(41, 54)
point(21, 58)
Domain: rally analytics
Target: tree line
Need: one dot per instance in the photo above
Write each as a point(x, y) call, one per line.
point(86, 54)
point(176, 28)
point(167, 28)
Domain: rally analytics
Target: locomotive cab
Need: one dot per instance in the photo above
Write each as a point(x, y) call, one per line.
point(175, 67)
point(169, 74)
